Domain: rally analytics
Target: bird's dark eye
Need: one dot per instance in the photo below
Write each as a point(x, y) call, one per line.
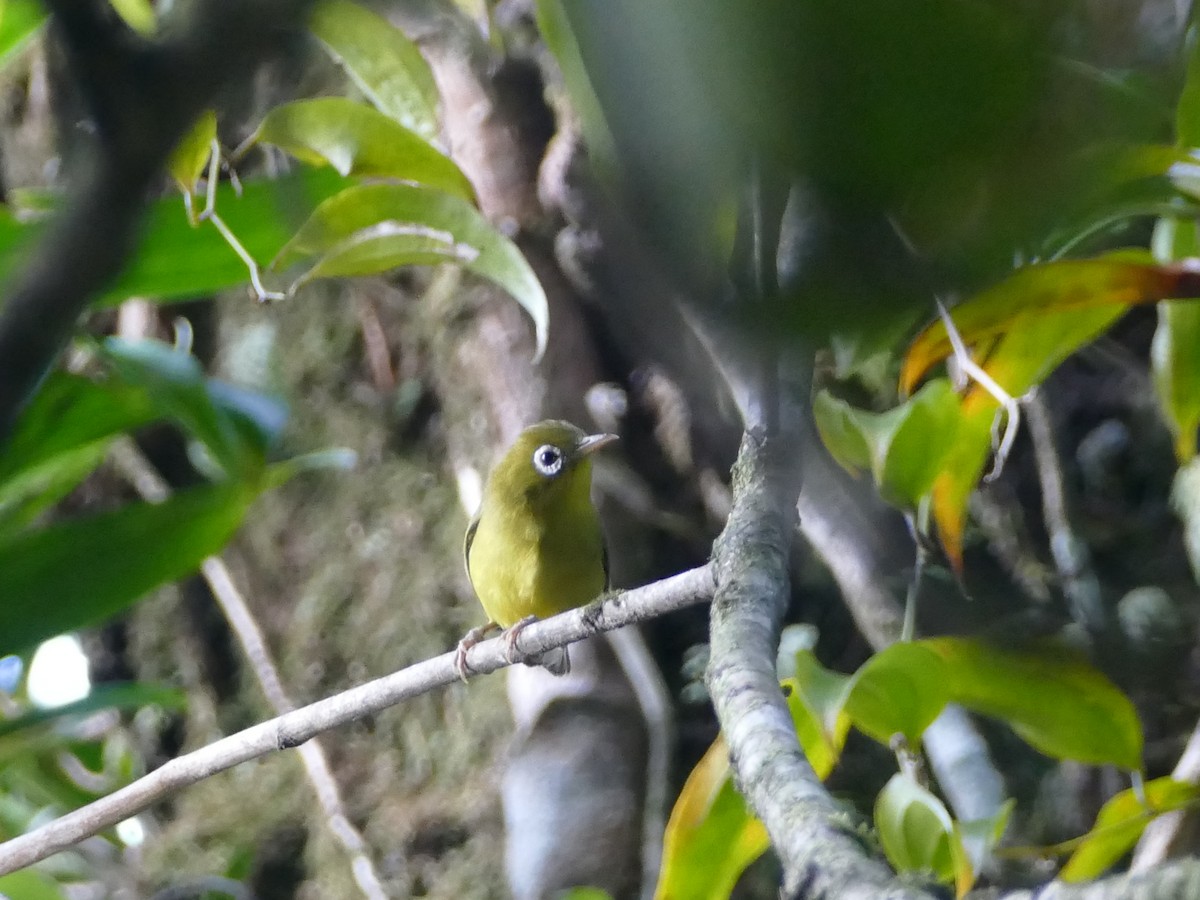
point(548, 460)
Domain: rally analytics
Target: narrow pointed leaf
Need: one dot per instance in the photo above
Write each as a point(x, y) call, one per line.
point(179, 390)
point(38, 488)
point(358, 140)
point(711, 835)
point(817, 699)
point(357, 208)
point(69, 412)
point(385, 65)
point(111, 695)
point(21, 23)
point(190, 158)
point(388, 245)
point(60, 438)
point(904, 446)
point(1021, 301)
point(555, 27)
point(1121, 822)
point(80, 572)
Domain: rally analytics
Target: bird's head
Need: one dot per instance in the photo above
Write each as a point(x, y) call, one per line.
point(548, 459)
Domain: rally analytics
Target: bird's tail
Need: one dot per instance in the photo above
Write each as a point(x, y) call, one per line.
point(556, 661)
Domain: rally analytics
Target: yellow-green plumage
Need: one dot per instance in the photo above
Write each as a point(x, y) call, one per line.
point(535, 547)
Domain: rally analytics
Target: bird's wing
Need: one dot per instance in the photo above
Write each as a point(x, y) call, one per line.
point(467, 542)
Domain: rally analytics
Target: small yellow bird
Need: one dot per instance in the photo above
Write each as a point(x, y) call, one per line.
point(535, 547)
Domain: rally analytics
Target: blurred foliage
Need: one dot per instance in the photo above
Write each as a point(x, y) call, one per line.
point(1121, 822)
point(1059, 703)
point(711, 836)
point(935, 148)
point(59, 575)
point(63, 569)
point(52, 760)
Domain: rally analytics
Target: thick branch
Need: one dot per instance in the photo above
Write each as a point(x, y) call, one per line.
point(814, 837)
point(144, 97)
point(294, 728)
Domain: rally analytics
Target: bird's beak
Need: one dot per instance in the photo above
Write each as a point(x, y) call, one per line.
point(594, 442)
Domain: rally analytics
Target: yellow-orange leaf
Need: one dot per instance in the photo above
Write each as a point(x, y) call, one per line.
point(1021, 300)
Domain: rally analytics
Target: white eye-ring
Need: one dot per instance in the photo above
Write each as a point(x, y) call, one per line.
point(548, 460)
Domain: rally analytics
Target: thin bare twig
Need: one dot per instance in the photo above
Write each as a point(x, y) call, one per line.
point(152, 487)
point(1159, 840)
point(1010, 409)
point(654, 701)
point(295, 728)
point(1071, 557)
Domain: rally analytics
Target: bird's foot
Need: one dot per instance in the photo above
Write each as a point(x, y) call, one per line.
point(469, 640)
point(511, 653)
point(555, 660)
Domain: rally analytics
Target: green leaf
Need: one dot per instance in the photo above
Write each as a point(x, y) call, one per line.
point(357, 140)
point(189, 159)
point(1175, 351)
point(842, 431)
point(364, 207)
point(137, 14)
point(177, 261)
point(816, 698)
point(711, 836)
point(59, 439)
point(69, 412)
point(177, 385)
point(113, 695)
point(30, 884)
point(1022, 303)
point(387, 245)
point(1121, 822)
point(917, 832)
point(1018, 331)
point(19, 25)
point(899, 690)
point(555, 28)
point(36, 489)
point(904, 446)
point(78, 573)
point(980, 836)
point(387, 67)
point(1050, 696)
point(1187, 113)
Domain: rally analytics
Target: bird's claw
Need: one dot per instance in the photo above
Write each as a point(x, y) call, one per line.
point(511, 653)
point(469, 640)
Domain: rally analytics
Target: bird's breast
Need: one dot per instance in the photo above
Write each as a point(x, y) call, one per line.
point(523, 566)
